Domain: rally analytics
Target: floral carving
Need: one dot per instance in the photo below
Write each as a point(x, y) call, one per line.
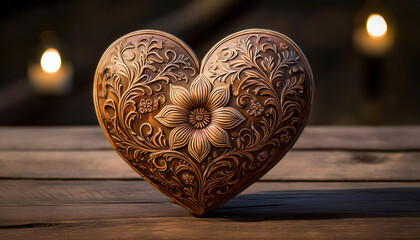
point(202, 136)
point(145, 106)
point(200, 117)
point(188, 178)
point(285, 137)
point(255, 109)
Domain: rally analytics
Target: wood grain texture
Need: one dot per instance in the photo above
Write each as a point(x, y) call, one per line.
point(296, 165)
point(403, 138)
point(50, 192)
point(313, 137)
point(52, 138)
point(104, 210)
point(110, 227)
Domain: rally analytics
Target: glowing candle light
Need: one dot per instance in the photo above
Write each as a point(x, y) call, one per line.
point(376, 25)
point(50, 60)
point(373, 35)
point(50, 75)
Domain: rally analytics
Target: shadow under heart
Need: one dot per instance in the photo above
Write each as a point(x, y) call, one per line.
point(322, 204)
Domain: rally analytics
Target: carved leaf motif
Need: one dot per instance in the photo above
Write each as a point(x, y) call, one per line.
point(227, 117)
point(217, 136)
point(180, 96)
point(200, 90)
point(199, 146)
point(218, 98)
point(180, 136)
point(172, 116)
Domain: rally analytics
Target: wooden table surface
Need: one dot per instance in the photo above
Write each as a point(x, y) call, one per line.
point(336, 183)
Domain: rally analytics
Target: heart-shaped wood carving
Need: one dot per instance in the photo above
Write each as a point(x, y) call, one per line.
point(203, 135)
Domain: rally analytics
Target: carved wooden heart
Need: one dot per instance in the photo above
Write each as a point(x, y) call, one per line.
point(203, 135)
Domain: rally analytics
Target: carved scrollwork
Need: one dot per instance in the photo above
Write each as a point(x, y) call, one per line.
point(202, 136)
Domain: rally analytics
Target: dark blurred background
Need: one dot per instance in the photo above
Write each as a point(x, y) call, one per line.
point(354, 84)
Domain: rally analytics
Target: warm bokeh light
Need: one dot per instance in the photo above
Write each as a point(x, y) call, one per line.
point(376, 25)
point(50, 60)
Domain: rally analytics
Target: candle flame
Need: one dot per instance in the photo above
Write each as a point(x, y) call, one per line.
point(50, 60)
point(376, 25)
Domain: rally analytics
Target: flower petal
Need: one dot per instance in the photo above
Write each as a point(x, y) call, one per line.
point(227, 117)
point(181, 97)
point(200, 90)
point(217, 136)
point(180, 136)
point(199, 147)
point(218, 98)
point(172, 116)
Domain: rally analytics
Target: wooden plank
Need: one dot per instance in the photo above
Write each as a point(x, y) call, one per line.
point(267, 210)
point(296, 165)
point(52, 138)
point(64, 164)
point(52, 192)
point(136, 228)
point(391, 138)
point(313, 137)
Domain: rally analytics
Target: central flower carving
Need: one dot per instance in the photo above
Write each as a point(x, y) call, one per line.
point(199, 117)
